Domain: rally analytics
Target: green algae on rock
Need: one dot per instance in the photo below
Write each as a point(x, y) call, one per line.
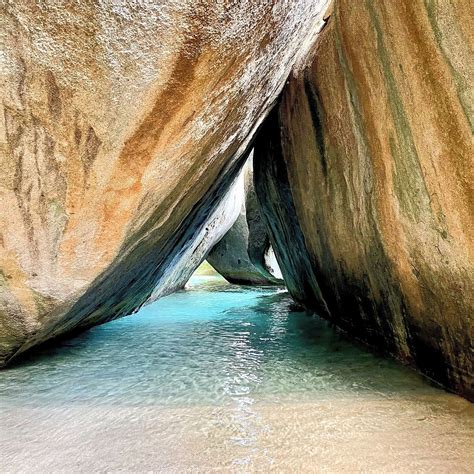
point(365, 176)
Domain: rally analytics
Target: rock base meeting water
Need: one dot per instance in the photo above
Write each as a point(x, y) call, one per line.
point(220, 377)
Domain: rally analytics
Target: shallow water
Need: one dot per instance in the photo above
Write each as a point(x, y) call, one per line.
point(220, 377)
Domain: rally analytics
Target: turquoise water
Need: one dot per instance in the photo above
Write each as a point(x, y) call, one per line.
point(211, 343)
point(225, 373)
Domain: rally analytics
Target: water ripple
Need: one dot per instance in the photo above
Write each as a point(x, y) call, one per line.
point(227, 378)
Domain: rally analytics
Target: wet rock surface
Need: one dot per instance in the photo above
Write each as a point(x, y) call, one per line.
point(123, 127)
point(365, 177)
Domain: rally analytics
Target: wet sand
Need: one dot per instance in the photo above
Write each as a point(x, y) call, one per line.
point(425, 434)
point(221, 378)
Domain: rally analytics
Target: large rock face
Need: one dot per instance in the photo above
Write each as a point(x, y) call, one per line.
point(365, 174)
point(123, 125)
point(217, 225)
point(244, 255)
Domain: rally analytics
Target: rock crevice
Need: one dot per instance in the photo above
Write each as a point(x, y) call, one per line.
point(244, 255)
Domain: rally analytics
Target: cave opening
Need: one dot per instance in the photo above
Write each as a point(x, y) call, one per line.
point(315, 154)
point(233, 365)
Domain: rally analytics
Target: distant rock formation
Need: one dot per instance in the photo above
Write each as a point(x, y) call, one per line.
point(365, 175)
point(123, 126)
point(244, 255)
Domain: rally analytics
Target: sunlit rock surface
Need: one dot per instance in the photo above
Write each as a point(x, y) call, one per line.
point(244, 255)
point(365, 174)
point(122, 127)
point(218, 224)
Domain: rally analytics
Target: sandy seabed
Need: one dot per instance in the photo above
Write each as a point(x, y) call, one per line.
point(421, 434)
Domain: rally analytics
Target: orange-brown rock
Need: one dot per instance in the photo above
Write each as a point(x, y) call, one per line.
point(365, 174)
point(123, 125)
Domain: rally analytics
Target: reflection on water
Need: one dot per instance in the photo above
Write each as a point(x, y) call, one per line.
point(218, 376)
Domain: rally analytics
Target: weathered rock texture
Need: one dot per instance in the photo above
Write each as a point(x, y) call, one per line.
point(365, 174)
point(244, 255)
point(123, 125)
point(219, 222)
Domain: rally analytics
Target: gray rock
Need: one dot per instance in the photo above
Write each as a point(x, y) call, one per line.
point(244, 255)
